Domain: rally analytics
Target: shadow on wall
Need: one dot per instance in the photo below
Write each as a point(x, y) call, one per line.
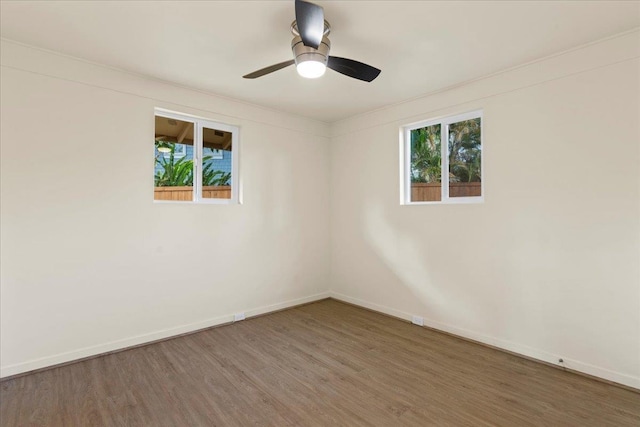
point(423, 267)
point(502, 282)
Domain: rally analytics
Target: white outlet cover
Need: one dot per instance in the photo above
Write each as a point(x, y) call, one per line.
point(237, 317)
point(417, 320)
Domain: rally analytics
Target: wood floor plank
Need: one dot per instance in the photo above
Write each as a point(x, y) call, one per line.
point(326, 363)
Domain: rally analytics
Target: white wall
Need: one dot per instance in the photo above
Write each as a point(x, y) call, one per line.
point(91, 264)
point(548, 266)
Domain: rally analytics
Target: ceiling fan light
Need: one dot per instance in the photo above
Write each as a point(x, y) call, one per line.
point(310, 63)
point(311, 69)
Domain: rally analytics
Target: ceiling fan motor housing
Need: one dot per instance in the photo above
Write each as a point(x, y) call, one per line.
point(303, 53)
point(312, 62)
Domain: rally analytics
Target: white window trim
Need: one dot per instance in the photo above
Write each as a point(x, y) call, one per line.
point(405, 159)
point(198, 124)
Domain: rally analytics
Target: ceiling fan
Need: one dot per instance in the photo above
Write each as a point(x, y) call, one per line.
point(311, 46)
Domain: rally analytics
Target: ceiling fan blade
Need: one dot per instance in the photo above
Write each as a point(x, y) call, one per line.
point(310, 21)
point(269, 69)
point(352, 68)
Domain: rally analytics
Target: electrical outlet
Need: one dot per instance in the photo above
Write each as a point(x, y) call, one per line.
point(417, 320)
point(237, 317)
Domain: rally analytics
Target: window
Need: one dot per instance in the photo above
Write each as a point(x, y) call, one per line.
point(425, 157)
point(195, 160)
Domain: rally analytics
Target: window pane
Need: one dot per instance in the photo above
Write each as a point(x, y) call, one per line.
point(426, 164)
point(465, 156)
point(216, 164)
point(173, 172)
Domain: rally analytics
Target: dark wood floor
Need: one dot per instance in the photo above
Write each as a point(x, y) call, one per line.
point(326, 363)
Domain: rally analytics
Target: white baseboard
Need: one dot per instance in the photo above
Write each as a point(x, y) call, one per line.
point(282, 305)
point(81, 353)
point(575, 365)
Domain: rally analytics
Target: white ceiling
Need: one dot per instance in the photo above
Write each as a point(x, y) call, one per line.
point(420, 46)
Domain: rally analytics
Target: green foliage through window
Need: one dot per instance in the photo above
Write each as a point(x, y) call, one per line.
point(179, 172)
point(426, 155)
point(465, 152)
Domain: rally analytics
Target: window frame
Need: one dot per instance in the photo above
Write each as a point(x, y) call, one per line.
point(198, 124)
point(405, 156)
